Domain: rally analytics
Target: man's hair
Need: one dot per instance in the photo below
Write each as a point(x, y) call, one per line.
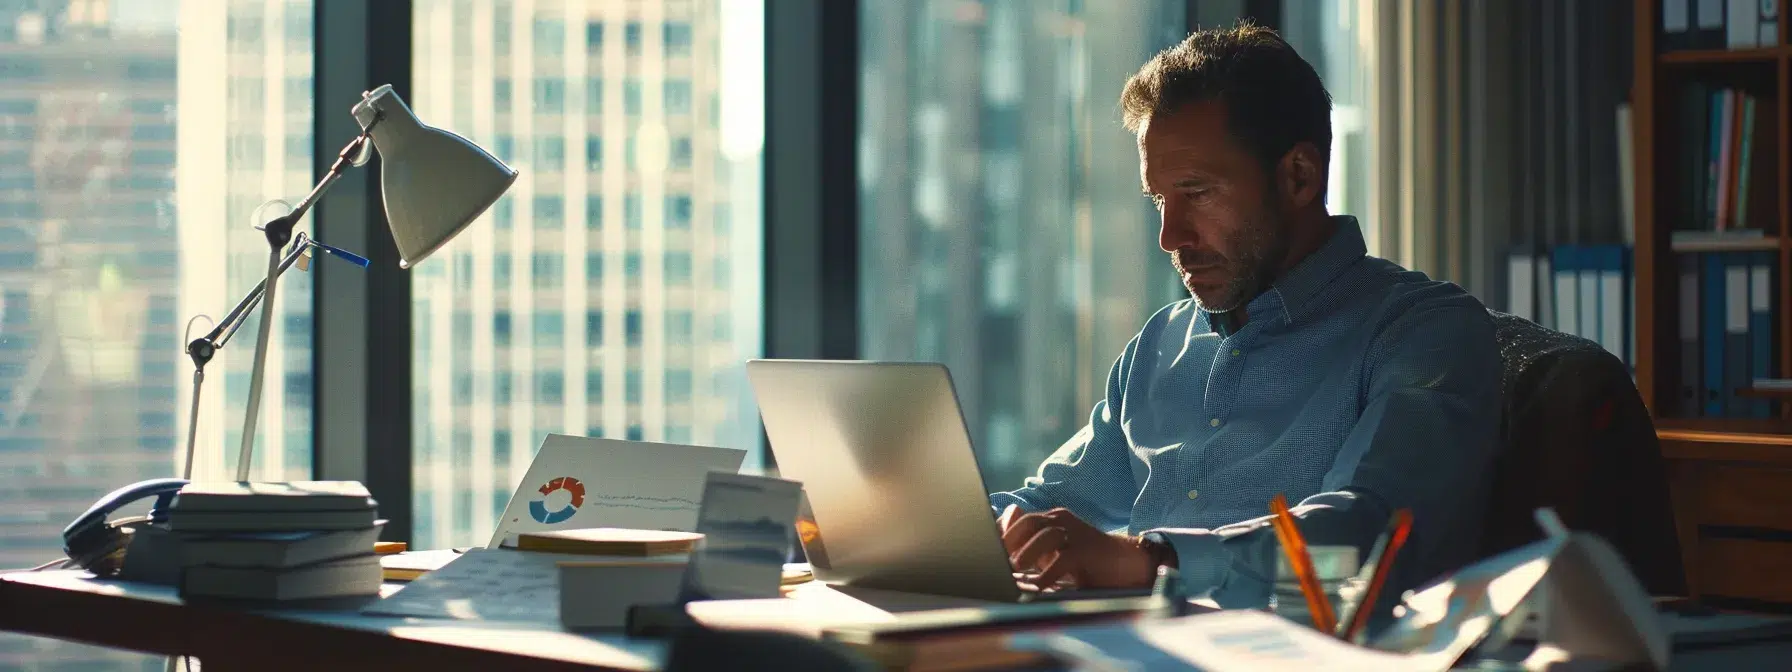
point(1272, 96)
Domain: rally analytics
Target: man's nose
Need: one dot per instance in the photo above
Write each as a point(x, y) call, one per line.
point(1174, 231)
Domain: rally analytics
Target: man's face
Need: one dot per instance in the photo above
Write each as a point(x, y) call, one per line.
point(1219, 218)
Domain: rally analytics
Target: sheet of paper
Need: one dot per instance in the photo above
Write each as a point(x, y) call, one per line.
point(483, 584)
point(747, 525)
point(1218, 642)
point(577, 482)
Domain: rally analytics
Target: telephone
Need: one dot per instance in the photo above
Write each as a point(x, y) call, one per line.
point(98, 545)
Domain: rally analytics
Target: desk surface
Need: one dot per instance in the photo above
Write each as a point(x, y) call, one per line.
point(71, 605)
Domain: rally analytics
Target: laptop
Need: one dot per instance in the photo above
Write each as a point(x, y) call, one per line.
point(577, 482)
point(885, 460)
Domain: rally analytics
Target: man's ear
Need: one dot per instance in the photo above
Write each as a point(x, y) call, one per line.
point(1300, 176)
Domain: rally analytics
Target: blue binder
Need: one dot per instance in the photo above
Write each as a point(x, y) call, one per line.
point(1711, 332)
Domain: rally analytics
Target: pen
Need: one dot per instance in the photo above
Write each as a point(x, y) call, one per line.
point(1302, 563)
point(1381, 563)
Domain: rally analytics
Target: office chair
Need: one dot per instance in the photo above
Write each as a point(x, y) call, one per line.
point(1578, 438)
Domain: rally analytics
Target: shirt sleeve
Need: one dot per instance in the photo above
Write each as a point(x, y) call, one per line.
point(1424, 441)
point(1091, 473)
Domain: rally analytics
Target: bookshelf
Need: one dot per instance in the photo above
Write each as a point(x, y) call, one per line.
point(1731, 478)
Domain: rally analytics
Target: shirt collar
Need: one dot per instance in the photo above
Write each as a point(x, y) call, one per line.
point(1295, 292)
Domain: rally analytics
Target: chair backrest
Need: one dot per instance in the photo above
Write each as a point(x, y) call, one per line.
point(1578, 438)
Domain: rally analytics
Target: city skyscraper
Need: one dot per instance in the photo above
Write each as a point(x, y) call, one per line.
point(137, 139)
point(1002, 228)
point(614, 290)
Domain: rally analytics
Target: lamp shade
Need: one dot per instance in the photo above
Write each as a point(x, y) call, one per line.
point(434, 182)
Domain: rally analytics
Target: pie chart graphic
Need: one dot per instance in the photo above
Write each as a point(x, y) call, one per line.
point(538, 509)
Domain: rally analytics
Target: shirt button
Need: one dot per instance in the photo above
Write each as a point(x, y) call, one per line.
point(1236, 352)
point(1192, 493)
point(1214, 422)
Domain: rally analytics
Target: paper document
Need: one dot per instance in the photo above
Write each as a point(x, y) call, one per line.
point(1218, 642)
point(483, 584)
point(747, 525)
point(577, 482)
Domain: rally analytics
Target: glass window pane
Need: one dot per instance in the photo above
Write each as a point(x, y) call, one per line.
point(105, 257)
point(1001, 228)
point(574, 354)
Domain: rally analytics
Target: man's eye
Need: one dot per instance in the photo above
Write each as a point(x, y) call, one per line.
point(1199, 195)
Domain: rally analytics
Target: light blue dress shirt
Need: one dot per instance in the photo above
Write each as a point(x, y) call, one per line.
point(1355, 388)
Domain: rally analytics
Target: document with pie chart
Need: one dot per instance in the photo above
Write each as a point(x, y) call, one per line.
point(578, 482)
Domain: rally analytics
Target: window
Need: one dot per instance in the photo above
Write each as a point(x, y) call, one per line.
point(678, 326)
point(550, 329)
point(628, 152)
point(594, 269)
point(1327, 34)
point(501, 271)
point(550, 95)
point(594, 95)
point(631, 37)
point(550, 387)
point(550, 155)
point(501, 329)
point(631, 327)
point(501, 95)
point(550, 213)
point(631, 97)
point(678, 268)
point(541, 66)
point(678, 96)
point(93, 268)
point(550, 37)
point(678, 211)
point(990, 219)
point(501, 387)
point(678, 38)
point(631, 210)
point(545, 269)
point(678, 386)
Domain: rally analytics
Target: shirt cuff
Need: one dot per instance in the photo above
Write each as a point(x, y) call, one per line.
point(1207, 565)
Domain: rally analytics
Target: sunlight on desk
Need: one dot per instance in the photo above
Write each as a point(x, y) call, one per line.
point(613, 652)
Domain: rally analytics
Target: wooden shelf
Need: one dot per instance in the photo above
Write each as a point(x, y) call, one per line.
point(1734, 245)
point(1767, 55)
point(1686, 444)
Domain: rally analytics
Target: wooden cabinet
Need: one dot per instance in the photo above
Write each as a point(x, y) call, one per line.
point(1733, 506)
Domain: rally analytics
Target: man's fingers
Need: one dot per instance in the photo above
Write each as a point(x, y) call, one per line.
point(1047, 540)
point(1021, 529)
point(1057, 569)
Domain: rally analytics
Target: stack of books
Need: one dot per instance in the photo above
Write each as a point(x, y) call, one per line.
point(277, 541)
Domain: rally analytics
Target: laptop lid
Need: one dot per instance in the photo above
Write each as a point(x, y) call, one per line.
point(885, 459)
point(577, 482)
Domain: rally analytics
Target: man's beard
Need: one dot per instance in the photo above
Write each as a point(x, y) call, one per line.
point(1260, 246)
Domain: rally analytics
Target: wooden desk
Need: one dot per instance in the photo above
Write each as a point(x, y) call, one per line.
point(152, 619)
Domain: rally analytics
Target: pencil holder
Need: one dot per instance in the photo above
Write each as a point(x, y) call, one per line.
point(1337, 569)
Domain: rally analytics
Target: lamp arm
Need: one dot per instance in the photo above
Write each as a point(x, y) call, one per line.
point(278, 233)
point(220, 335)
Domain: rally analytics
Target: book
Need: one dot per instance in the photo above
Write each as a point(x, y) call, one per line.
point(269, 521)
point(608, 541)
point(290, 496)
point(336, 578)
point(278, 549)
point(409, 565)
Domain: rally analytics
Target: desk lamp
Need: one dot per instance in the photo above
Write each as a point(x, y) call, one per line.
point(434, 184)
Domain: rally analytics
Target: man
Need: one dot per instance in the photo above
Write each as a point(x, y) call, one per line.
point(1300, 365)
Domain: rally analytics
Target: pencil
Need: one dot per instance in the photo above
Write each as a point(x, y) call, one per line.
point(1302, 563)
point(1381, 560)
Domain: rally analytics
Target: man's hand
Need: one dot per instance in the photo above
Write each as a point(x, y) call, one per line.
point(1061, 546)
